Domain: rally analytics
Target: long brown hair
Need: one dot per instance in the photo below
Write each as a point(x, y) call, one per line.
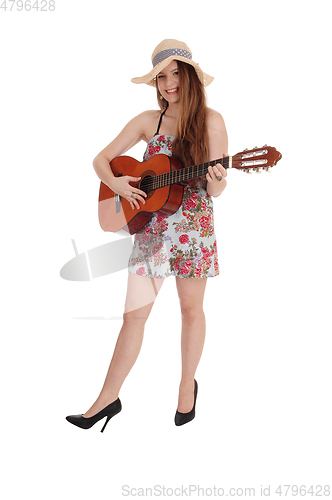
point(190, 145)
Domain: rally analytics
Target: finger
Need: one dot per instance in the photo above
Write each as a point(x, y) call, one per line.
point(135, 179)
point(140, 195)
point(217, 173)
point(135, 198)
point(220, 170)
point(135, 201)
point(137, 191)
point(211, 172)
point(132, 202)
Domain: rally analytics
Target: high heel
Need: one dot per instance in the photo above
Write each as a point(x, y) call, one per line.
point(183, 418)
point(87, 422)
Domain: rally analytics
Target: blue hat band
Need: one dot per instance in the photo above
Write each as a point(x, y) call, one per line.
point(161, 56)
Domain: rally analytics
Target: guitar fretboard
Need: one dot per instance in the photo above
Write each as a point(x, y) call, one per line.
point(184, 174)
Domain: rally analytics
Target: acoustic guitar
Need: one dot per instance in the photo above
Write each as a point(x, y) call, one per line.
point(162, 179)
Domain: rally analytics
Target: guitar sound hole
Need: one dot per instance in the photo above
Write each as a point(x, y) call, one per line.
point(146, 185)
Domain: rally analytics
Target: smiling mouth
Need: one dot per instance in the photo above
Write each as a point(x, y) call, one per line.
point(172, 91)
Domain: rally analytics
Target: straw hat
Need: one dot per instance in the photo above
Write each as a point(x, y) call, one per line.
point(163, 54)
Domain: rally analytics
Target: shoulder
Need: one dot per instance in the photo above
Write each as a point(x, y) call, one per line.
point(146, 123)
point(217, 134)
point(141, 125)
point(214, 120)
point(147, 116)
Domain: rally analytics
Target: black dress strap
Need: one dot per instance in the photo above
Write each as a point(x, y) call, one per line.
point(161, 116)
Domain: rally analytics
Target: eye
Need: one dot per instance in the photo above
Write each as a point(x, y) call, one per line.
point(176, 72)
point(160, 76)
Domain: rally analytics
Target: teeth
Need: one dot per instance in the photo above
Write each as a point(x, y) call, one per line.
point(171, 91)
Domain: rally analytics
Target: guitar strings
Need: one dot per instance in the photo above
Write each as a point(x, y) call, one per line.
point(165, 179)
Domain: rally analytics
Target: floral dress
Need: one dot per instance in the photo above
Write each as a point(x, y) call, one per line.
point(182, 244)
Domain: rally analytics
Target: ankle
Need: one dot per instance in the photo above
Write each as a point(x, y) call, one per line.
point(107, 398)
point(187, 384)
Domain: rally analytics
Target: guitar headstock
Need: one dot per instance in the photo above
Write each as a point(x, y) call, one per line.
point(256, 159)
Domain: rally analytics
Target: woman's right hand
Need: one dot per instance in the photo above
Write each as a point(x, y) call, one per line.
point(121, 186)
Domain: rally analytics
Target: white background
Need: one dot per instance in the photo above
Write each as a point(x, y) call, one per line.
point(263, 414)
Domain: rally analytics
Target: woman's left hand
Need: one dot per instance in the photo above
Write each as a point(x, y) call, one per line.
point(217, 172)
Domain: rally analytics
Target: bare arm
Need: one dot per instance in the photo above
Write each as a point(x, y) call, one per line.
point(131, 134)
point(218, 147)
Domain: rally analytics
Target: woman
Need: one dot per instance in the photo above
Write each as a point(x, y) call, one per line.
point(183, 244)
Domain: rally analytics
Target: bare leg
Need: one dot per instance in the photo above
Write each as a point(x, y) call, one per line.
point(141, 294)
point(191, 295)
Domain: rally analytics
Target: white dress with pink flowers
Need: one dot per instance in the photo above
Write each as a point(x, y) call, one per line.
point(183, 244)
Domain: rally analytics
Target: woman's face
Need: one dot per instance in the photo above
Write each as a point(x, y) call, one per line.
point(168, 82)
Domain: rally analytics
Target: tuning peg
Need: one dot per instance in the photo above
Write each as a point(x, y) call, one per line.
point(265, 146)
point(258, 171)
point(247, 171)
point(255, 147)
point(245, 149)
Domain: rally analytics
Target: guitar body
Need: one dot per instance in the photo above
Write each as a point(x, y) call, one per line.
point(116, 214)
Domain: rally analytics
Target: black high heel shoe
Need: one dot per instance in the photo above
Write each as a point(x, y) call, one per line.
point(183, 418)
point(87, 422)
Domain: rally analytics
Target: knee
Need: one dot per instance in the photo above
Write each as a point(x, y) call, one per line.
point(191, 312)
point(139, 315)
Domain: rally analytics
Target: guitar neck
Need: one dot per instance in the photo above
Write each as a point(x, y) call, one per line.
point(187, 173)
